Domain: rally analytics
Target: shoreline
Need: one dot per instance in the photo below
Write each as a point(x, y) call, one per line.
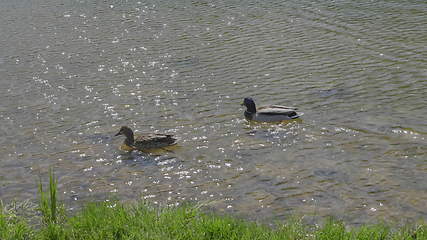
point(115, 220)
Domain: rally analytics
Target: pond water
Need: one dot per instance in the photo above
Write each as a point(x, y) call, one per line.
point(73, 72)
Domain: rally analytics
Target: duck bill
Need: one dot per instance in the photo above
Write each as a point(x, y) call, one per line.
point(119, 133)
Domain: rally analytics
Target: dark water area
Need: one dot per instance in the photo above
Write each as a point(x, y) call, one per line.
point(73, 72)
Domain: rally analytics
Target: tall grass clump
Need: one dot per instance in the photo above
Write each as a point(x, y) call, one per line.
point(52, 212)
point(48, 201)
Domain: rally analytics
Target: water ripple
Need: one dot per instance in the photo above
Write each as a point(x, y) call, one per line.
point(73, 73)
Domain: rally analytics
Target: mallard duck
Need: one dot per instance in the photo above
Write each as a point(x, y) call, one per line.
point(272, 113)
point(146, 141)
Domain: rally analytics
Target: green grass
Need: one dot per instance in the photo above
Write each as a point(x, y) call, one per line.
point(143, 221)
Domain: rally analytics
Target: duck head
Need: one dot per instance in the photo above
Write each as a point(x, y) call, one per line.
point(249, 104)
point(128, 133)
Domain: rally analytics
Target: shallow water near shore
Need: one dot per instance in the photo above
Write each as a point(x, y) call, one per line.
point(73, 72)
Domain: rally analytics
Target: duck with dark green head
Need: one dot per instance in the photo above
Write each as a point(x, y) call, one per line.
point(146, 141)
point(271, 113)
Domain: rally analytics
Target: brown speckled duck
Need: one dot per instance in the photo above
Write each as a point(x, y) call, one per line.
point(145, 142)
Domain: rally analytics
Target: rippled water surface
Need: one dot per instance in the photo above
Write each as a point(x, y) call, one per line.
point(73, 72)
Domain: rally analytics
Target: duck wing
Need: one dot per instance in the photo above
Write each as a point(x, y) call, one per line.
point(277, 107)
point(277, 111)
point(156, 137)
point(154, 140)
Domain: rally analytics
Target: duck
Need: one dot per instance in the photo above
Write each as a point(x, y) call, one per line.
point(271, 113)
point(145, 142)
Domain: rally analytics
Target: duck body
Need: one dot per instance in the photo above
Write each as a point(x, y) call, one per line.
point(146, 141)
point(272, 113)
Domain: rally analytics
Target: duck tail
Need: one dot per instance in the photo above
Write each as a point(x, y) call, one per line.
point(172, 139)
point(295, 116)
